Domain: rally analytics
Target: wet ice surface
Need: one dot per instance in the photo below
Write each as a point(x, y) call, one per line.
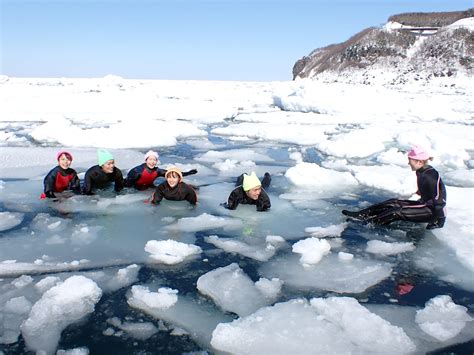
point(175, 278)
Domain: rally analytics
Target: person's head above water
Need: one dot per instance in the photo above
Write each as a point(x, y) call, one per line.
point(252, 186)
point(64, 159)
point(106, 160)
point(173, 176)
point(418, 157)
point(151, 158)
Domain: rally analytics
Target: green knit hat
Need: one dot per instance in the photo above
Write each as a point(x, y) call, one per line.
point(104, 156)
point(251, 181)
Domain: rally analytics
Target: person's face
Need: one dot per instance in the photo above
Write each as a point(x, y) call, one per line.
point(254, 193)
point(64, 162)
point(108, 167)
point(415, 164)
point(151, 162)
point(172, 179)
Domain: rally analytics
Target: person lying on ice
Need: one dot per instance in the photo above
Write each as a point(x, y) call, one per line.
point(430, 208)
point(250, 191)
point(61, 178)
point(142, 176)
point(174, 188)
point(103, 175)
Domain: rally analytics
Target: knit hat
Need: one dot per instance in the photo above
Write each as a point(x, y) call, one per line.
point(251, 181)
point(418, 153)
point(175, 169)
point(67, 154)
point(104, 156)
point(151, 153)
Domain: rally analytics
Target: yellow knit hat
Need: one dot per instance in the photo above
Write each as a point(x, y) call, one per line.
point(251, 181)
point(174, 169)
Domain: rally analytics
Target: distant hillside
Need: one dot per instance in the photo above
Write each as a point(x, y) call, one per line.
point(414, 46)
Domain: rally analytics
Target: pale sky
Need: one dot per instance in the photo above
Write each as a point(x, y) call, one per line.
point(183, 39)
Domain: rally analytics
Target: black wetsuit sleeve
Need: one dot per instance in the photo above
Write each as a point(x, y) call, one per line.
point(118, 180)
point(161, 172)
point(158, 195)
point(49, 182)
point(75, 184)
point(263, 202)
point(234, 199)
point(133, 176)
point(191, 195)
point(190, 172)
point(87, 187)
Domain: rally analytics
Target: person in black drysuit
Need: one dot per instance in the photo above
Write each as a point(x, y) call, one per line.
point(174, 188)
point(430, 208)
point(61, 177)
point(250, 191)
point(103, 175)
point(142, 176)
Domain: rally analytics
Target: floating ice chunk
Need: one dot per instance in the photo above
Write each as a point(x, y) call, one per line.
point(43, 221)
point(345, 256)
point(329, 231)
point(9, 220)
point(22, 281)
point(233, 154)
point(232, 290)
point(315, 177)
point(45, 284)
point(462, 177)
point(384, 248)
point(330, 274)
point(442, 318)
point(139, 330)
point(123, 278)
point(194, 316)
point(230, 245)
point(292, 327)
point(312, 250)
point(369, 331)
point(60, 306)
point(269, 288)
point(205, 222)
point(75, 351)
point(170, 251)
point(274, 239)
point(164, 298)
point(15, 312)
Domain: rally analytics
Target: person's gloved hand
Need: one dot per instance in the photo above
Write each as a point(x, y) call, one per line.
point(192, 172)
point(50, 194)
point(223, 204)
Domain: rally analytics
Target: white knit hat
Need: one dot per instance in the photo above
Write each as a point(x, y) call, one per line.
point(151, 153)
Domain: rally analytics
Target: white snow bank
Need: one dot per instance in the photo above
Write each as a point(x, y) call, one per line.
point(312, 176)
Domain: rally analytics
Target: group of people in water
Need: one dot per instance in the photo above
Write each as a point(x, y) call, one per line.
point(429, 208)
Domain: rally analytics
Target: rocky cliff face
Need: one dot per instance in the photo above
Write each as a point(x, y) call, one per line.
point(409, 47)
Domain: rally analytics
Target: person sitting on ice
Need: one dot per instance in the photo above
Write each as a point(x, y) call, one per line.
point(174, 189)
point(142, 176)
point(430, 208)
point(250, 191)
point(61, 177)
point(103, 175)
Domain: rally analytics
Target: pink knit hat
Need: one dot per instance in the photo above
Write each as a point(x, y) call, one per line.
point(151, 153)
point(418, 153)
point(67, 154)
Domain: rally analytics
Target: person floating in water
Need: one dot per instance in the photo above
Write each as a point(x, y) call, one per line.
point(250, 191)
point(103, 175)
point(430, 208)
point(174, 188)
point(61, 177)
point(142, 176)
